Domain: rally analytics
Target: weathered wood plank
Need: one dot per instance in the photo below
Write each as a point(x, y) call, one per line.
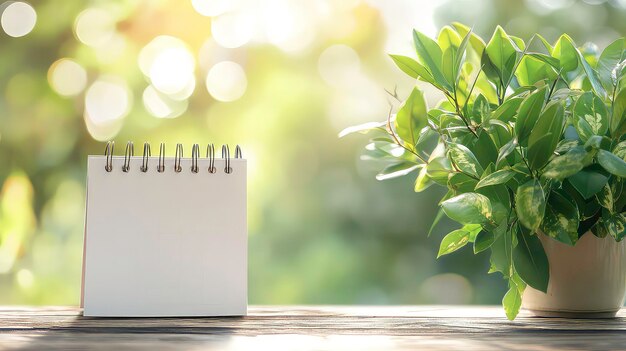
point(309, 328)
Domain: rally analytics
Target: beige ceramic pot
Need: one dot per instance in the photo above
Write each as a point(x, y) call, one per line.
point(587, 280)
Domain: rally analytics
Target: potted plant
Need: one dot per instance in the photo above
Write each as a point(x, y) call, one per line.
point(529, 141)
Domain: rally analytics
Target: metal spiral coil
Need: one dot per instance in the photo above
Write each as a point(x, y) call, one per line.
point(195, 153)
point(108, 152)
point(210, 154)
point(177, 157)
point(129, 153)
point(226, 157)
point(146, 155)
point(161, 166)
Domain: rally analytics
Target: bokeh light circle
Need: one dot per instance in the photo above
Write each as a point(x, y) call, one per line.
point(226, 81)
point(211, 8)
point(106, 100)
point(169, 65)
point(232, 30)
point(94, 27)
point(67, 77)
point(160, 105)
point(18, 19)
point(339, 64)
point(172, 70)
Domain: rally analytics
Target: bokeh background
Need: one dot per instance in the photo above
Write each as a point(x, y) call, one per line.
point(279, 77)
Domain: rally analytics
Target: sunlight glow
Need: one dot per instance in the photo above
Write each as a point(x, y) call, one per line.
point(226, 81)
point(211, 8)
point(172, 70)
point(107, 99)
point(94, 27)
point(287, 26)
point(18, 19)
point(169, 65)
point(25, 278)
point(232, 30)
point(67, 77)
point(339, 64)
point(161, 106)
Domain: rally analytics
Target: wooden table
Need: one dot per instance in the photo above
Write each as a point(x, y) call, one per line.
point(310, 328)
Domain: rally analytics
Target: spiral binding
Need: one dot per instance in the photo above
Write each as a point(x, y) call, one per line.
point(195, 155)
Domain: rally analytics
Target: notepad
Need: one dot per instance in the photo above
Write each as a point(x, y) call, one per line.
point(165, 236)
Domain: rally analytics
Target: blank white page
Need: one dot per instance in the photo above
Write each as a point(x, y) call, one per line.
point(165, 244)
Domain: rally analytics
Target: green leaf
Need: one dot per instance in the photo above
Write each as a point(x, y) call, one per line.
point(448, 38)
point(566, 165)
point(596, 142)
point(566, 145)
point(606, 199)
point(561, 219)
point(553, 62)
point(620, 150)
point(545, 43)
point(397, 170)
point(532, 70)
point(438, 169)
point(460, 55)
point(497, 177)
point(530, 261)
point(537, 151)
point(545, 135)
point(436, 221)
point(501, 250)
point(590, 109)
point(507, 110)
point(431, 56)
point(500, 200)
point(481, 109)
point(615, 225)
point(506, 150)
point(528, 114)
point(412, 117)
point(612, 163)
point(502, 54)
point(413, 68)
point(609, 59)
point(422, 182)
point(484, 149)
point(483, 241)
point(588, 182)
point(461, 183)
point(456, 239)
point(499, 132)
point(618, 119)
point(530, 204)
point(447, 65)
point(463, 159)
point(468, 208)
point(512, 301)
point(363, 128)
point(565, 52)
point(477, 44)
point(592, 75)
point(518, 43)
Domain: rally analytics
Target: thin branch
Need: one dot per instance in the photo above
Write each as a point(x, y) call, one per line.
point(394, 94)
point(395, 137)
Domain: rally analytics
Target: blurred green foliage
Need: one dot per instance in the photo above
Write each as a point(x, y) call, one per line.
point(322, 229)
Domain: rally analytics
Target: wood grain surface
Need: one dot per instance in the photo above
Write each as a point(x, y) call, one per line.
point(310, 328)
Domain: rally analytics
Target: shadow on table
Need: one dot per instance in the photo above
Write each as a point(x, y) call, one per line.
point(76, 332)
point(315, 328)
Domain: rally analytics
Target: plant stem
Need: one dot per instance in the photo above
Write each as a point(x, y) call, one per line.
point(459, 113)
point(391, 132)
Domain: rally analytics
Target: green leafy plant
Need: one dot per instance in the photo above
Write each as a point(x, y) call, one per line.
point(528, 138)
